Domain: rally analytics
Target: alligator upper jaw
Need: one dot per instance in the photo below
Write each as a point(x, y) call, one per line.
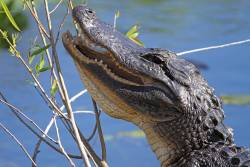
point(83, 50)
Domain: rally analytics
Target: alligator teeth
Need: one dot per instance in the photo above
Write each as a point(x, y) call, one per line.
point(108, 70)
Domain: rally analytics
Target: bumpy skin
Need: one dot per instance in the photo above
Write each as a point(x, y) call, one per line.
point(162, 94)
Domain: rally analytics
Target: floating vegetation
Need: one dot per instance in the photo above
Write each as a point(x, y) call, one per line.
point(236, 99)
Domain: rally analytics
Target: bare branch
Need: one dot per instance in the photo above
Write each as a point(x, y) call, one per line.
point(33, 131)
point(57, 5)
point(95, 158)
point(39, 87)
point(73, 98)
point(213, 47)
point(18, 142)
point(36, 151)
point(83, 112)
point(104, 156)
point(70, 4)
point(64, 90)
point(34, 14)
point(56, 74)
point(60, 144)
point(93, 133)
point(47, 52)
point(61, 25)
point(18, 111)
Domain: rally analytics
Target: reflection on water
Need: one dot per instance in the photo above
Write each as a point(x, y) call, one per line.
point(176, 25)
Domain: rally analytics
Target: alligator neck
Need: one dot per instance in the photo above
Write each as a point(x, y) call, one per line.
point(172, 141)
point(165, 150)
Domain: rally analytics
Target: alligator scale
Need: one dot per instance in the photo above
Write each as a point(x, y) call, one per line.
point(164, 95)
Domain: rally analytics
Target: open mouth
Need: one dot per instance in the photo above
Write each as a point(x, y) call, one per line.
point(83, 48)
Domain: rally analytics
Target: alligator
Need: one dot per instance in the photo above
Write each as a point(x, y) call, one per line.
point(164, 95)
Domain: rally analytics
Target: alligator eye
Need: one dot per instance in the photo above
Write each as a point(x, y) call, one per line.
point(152, 58)
point(89, 11)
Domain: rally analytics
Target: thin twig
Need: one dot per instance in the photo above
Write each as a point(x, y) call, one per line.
point(81, 112)
point(42, 92)
point(95, 158)
point(34, 14)
point(38, 135)
point(73, 98)
point(18, 142)
point(60, 144)
point(70, 4)
point(62, 22)
point(18, 111)
point(93, 133)
point(104, 155)
point(36, 150)
point(47, 51)
point(64, 90)
point(61, 25)
point(213, 47)
point(57, 5)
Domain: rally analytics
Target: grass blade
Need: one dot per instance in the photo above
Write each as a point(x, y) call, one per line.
point(40, 50)
point(7, 12)
point(44, 69)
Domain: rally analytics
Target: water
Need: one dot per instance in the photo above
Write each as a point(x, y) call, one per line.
point(176, 25)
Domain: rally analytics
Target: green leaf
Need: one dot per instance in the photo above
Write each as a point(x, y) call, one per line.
point(236, 99)
point(41, 62)
point(40, 50)
point(32, 53)
point(133, 33)
point(132, 30)
point(54, 88)
point(44, 69)
point(4, 34)
point(11, 50)
point(15, 37)
point(8, 14)
point(37, 70)
point(31, 58)
point(39, 66)
point(136, 40)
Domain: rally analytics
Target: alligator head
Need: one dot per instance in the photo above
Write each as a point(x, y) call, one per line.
point(164, 95)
